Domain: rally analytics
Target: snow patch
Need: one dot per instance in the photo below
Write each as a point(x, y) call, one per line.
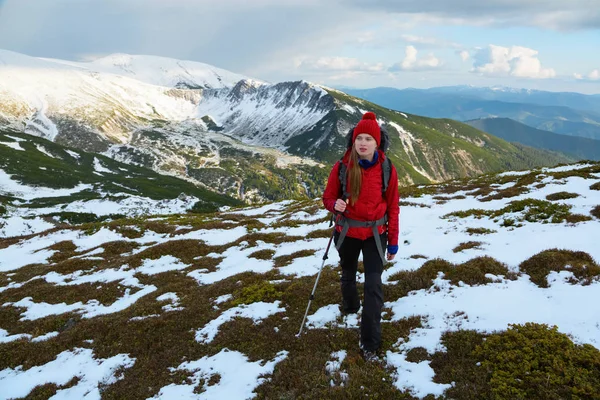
point(239, 377)
point(79, 362)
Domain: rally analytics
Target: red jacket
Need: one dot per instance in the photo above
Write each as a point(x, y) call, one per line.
point(371, 205)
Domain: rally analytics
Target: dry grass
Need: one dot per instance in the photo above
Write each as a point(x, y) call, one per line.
point(282, 261)
point(466, 246)
point(596, 211)
point(561, 196)
point(479, 231)
point(513, 191)
point(42, 291)
point(471, 272)
point(321, 233)
point(263, 254)
point(165, 341)
point(581, 264)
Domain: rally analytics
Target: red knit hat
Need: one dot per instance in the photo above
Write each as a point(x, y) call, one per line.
point(368, 124)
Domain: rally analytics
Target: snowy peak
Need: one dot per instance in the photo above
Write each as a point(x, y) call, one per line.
point(12, 60)
point(162, 71)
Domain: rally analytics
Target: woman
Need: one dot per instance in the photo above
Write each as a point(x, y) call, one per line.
point(367, 219)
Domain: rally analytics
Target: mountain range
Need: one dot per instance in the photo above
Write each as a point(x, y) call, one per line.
point(238, 136)
point(566, 113)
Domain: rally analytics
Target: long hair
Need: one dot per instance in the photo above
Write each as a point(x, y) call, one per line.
point(354, 176)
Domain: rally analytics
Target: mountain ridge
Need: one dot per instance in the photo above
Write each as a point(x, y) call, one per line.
point(181, 131)
point(463, 104)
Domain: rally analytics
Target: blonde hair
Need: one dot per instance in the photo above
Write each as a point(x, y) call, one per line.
point(354, 176)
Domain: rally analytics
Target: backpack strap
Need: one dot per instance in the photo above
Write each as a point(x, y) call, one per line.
point(347, 223)
point(386, 170)
point(343, 177)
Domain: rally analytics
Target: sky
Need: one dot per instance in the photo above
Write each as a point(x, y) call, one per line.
point(541, 44)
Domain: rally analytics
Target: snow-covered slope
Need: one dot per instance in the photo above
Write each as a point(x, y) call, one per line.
point(267, 115)
point(161, 71)
point(49, 97)
point(113, 96)
point(229, 292)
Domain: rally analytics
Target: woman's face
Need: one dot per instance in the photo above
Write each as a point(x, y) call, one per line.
point(365, 146)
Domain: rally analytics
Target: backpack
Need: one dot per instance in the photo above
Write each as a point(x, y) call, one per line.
point(386, 167)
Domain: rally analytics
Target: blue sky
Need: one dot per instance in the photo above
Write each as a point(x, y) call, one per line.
point(542, 44)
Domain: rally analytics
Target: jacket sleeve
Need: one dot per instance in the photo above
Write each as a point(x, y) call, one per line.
point(333, 188)
point(393, 210)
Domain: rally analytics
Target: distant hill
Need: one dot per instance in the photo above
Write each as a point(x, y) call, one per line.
point(513, 131)
point(464, 103)
point(578, 101)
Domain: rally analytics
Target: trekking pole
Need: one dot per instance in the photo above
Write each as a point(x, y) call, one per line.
point(312, 295)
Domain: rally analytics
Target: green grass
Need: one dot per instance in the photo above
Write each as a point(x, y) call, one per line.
point(531, 210)
point(561, 196)
point(529, 361)
point(261, 291)
point(479, 231)
point(65, 171)
point(584, 268)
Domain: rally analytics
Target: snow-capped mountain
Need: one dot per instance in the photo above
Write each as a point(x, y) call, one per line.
point(268, 115)
point(113, 96)
point(50, 97)
point(175, 117)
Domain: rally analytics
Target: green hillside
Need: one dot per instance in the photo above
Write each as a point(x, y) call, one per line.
point(440, 149)
point(513, 131)
point(47, 164)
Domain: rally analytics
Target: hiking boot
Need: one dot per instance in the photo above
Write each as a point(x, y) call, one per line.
point(350, 307)
point(350, 311)
point(370, 356)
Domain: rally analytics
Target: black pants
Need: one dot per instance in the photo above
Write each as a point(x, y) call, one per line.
point(370, 325)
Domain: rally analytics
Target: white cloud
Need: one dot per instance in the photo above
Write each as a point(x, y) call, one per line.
point(515, 61)
point(594, 75)
point(412, 63)
point(464, 55)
